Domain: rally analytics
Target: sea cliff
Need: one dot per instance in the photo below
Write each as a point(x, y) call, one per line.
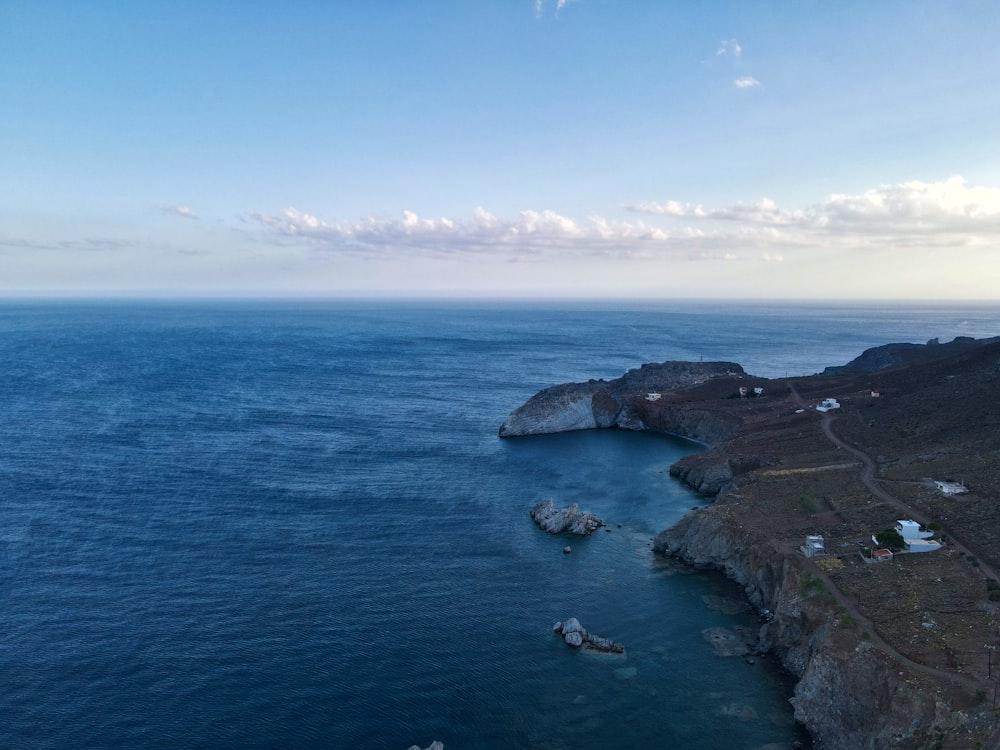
point(619, 402)
point(849, 694)
point(885, 656)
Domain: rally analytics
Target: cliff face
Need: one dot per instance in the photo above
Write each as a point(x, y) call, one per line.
point(851, 695)
point(612, 403)
point(885, 656)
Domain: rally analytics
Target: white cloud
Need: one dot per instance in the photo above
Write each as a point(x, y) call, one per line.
point(531, 232)
point(182, 211)
point(910, 214)
point(846, 235)
point(927, 203)
point(84, 245)
point(729, 47)
point(746, 82)
point(540, 7)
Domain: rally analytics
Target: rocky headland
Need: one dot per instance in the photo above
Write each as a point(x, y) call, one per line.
point(894, 655)
point(612, 403)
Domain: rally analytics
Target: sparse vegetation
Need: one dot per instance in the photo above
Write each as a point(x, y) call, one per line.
point(891, 539)
point(849, 622)
point(807, 504)
point(810, 584)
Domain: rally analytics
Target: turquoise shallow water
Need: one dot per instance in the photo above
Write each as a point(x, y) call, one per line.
point(292, 524)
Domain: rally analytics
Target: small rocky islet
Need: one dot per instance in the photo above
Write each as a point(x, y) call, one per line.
point(568, 520)
point(574, 634)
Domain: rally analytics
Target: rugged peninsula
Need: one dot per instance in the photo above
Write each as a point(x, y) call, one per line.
point(897, 654)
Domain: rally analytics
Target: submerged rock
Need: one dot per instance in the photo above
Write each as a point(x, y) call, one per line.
point(564, 520)
point(728, 643)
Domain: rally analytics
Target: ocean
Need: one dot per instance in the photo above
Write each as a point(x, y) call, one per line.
point(256, 524)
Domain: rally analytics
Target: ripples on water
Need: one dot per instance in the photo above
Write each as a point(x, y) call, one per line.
point(235, 525)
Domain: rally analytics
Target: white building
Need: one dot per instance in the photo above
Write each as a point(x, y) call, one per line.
point(827, 404)
point(951, 488)
point(912, 530)
point(814, 546)
point(917, 538)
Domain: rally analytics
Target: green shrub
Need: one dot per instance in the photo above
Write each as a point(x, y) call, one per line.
point(807, 504)
point(892, 539)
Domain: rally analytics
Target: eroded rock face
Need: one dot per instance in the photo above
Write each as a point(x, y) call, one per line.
point(561, 408)
point(564, 520)
point(600, 403)
point(849, 699)
point(710, 473)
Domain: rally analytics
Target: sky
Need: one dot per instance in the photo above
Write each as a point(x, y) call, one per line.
point(501, 148)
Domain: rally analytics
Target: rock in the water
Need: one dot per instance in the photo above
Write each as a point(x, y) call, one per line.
point(564, 520)
point(567, 549)
point(576, 635)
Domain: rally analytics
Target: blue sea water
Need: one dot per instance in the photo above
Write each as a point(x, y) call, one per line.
point(292, 524)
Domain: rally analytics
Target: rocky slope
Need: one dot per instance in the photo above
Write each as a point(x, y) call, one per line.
point(886, 656)
point(850, 695)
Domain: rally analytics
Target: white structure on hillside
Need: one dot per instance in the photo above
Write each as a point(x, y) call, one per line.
point(827, 404)
point(951, 488)
point(814, 546)
point(653, 396)
point(917, 538)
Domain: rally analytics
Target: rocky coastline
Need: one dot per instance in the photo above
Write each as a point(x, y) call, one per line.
point(855, 690)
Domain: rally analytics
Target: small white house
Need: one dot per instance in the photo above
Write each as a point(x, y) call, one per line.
point(758, 391)
point(917, 538)
point(814, 546)
point(951, 488)
point(653, 396)
point(744, 391)
point(910, 530)
point(827, 404)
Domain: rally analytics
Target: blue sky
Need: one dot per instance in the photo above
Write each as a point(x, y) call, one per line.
point(586, 148)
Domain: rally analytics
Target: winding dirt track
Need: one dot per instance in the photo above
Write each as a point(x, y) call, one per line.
point(868, 480)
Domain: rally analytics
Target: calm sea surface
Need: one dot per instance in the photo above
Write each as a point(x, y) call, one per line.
point(232, 525)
